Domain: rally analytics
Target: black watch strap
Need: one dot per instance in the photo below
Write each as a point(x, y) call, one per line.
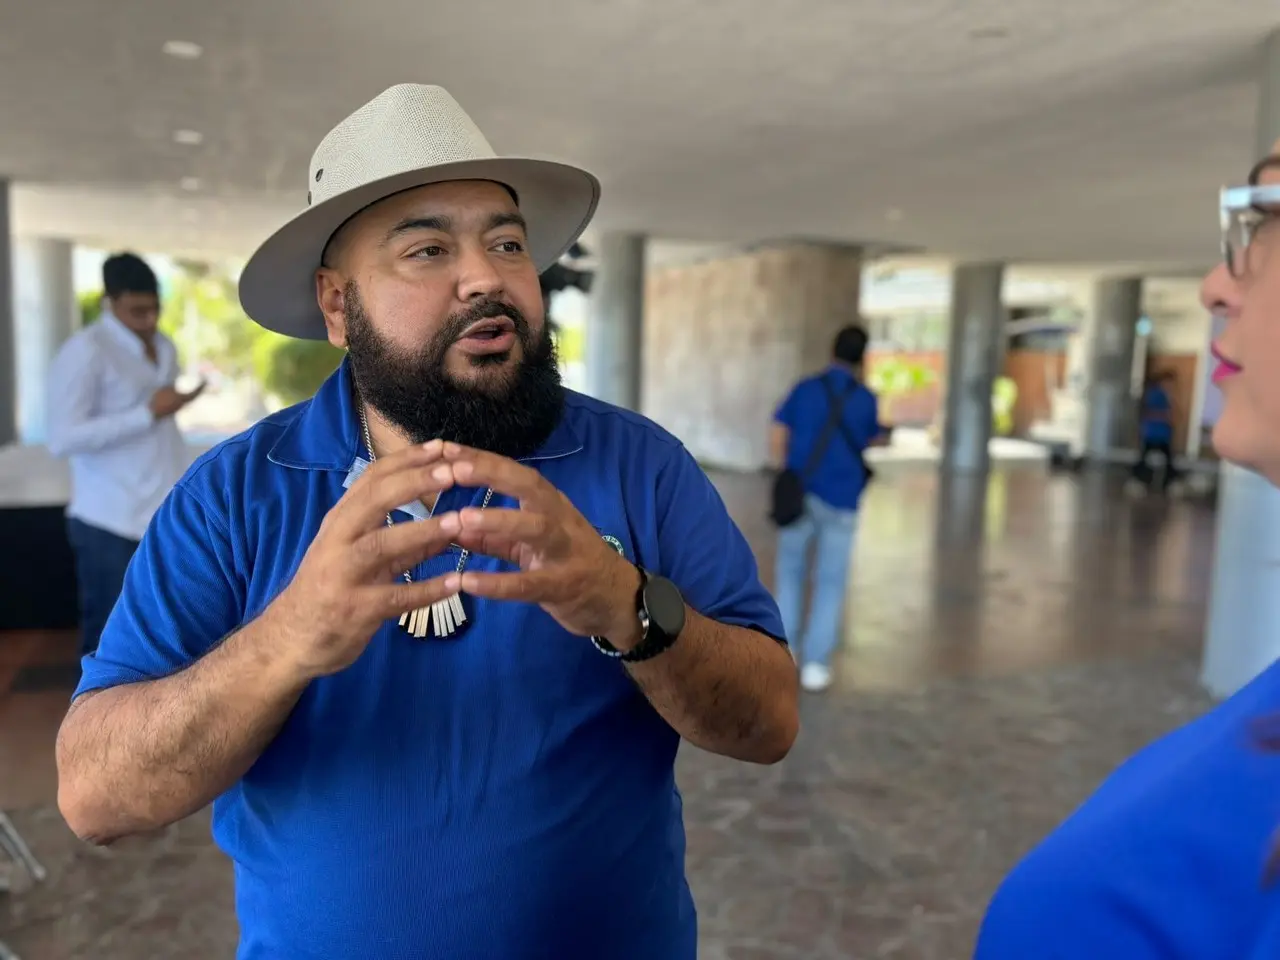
point(659, 628)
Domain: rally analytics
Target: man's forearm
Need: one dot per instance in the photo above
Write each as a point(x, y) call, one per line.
point(69, 436)
point(140, 756)
point(729, 690)
point(779, 441)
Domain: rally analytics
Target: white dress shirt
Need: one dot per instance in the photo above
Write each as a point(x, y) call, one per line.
point(124, 460)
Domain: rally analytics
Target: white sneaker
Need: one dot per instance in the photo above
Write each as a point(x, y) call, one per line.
point(814, 677)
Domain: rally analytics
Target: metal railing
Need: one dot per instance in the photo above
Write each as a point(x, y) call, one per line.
point(16, 849)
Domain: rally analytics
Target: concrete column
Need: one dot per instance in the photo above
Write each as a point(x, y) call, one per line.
point(615, 332)
point(45, 315)
point(1243, 636)
point(1117, 305)
point(727, 337)
point(8, 339)
point(1244, 607)
point(977, 327)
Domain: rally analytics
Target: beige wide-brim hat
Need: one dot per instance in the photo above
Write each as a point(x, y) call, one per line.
point(409, 136)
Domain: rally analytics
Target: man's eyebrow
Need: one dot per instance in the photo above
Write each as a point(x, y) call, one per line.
point(442, 224)
point(507, 220)
point(439, 224)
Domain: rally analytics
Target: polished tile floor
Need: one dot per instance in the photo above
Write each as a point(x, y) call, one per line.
point(1008, 643)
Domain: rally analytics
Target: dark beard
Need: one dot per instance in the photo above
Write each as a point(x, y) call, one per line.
point(414, 392)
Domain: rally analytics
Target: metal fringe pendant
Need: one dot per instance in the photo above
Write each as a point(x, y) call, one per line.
point(443, 619)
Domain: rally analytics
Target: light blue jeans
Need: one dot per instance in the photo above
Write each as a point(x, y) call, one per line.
point(830, 532)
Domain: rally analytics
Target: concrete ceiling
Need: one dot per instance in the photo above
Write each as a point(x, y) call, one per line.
point(1090, 131)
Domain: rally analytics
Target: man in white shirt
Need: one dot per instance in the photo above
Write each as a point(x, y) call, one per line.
point(111, 405)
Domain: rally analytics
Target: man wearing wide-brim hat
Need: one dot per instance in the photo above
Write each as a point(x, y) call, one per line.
point(429, 641)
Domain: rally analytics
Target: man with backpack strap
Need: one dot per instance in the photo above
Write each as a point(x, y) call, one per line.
point(819, 434)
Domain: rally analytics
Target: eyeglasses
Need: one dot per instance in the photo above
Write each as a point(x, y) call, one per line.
point(1243, 211)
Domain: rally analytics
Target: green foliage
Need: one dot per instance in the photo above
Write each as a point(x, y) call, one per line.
point(202, 314)
point(90, 306)
point(293, 369)
point(1004, 398)
point(569, 345)
point(894, 377)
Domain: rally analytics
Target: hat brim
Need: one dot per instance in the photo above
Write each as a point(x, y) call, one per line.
point(277, 286)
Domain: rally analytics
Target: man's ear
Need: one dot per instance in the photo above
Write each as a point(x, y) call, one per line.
point(331, 296)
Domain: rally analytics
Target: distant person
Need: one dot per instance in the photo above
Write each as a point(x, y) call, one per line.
point(111, 405)
point(1175, 857)
point(820, 433)
point(1155, 429)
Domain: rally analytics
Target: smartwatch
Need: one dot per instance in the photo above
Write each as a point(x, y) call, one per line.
point(660, 611)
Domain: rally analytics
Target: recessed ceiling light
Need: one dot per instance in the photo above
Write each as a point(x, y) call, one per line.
point(988, 33)
point(183, 49)
point(190, 183)
point(188, 138)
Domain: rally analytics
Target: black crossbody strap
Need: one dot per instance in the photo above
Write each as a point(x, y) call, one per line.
point(835, 420)
point(844, 427)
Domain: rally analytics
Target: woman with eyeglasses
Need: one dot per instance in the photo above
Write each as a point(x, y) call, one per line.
point(1174, 855)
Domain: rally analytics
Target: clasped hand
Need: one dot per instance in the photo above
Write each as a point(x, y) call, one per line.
point(349, 581)
point(565, 565)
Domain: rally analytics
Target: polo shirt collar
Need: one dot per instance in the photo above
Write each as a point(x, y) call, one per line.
point(325, 435)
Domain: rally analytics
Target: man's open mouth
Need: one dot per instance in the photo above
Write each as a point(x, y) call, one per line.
point(489, 329)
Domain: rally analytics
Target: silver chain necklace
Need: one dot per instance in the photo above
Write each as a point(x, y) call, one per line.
point(444, 618)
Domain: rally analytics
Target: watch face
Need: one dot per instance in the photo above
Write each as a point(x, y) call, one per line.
point(665, 605)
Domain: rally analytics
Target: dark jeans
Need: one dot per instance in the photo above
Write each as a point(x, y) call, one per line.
point(101, 560)
point(1143, 471)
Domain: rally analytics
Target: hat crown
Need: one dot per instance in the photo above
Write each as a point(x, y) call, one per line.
point(407, 127)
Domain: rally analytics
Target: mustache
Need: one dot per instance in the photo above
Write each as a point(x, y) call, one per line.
point(458, 323)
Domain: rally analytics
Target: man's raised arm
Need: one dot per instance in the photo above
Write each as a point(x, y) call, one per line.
point(143, 746)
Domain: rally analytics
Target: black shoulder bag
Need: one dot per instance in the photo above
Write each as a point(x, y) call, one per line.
point(788, 485)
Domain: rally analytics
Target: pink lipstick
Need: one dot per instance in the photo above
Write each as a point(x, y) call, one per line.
point(1225, 368)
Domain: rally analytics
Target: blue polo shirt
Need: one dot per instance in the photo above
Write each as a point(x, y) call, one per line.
point(506, 794)
point(839, 477)
point(1154, 429)
point(1167, 860)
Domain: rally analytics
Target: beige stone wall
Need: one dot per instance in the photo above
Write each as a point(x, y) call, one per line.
point(725, 339)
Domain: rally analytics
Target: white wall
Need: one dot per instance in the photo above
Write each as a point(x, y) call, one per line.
point(1179, 323)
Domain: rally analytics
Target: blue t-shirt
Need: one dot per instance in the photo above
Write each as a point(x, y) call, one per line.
point(1166, 861)
point(839, 477)
point(509, 793)
point(1155, 430)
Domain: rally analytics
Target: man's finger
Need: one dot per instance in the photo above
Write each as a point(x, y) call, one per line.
point(414, 454)
point(527, 526)
point(381, 489)
point(479, 468)
point(389, 602)
point(390, 550)
point(490, 545)
point(528, 586)
point(412, 457)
